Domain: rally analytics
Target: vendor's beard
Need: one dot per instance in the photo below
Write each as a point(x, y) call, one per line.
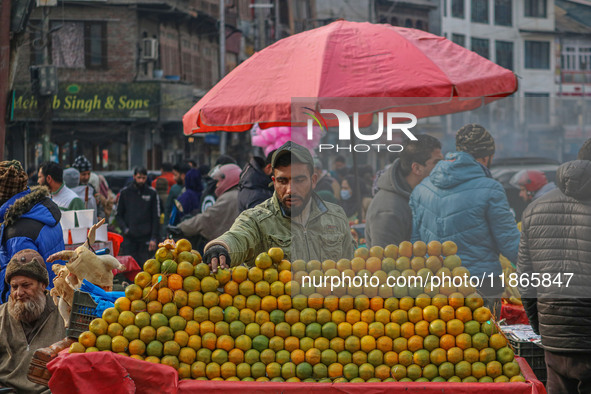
point(27, 311)
point(295, 211)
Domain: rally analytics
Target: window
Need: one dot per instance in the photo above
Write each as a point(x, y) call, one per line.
point(459, 39)
point(393, 21)
point(419, 25)
point(503, 12)
point(457, 8)
point(535, 8)
point(504, 54)
point(79, 45)
point(576, 56)
point(537, 55)
point(480, 11)
point(480, 46)
point(537, 108)
point(408, 23)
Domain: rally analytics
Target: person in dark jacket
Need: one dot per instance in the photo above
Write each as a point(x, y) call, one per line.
point(389, 219)
point(28, 220)
point(179, 171)
point(138, 217)
point(555, 242)
point(255, 184)
point(461, 202)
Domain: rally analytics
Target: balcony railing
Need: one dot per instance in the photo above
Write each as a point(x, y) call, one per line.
point(576, 77)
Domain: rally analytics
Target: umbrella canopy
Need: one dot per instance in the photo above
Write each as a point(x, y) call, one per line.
point(350, 59)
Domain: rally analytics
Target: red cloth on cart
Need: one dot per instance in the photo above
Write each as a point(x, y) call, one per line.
point(106, 372)
point(132, 267)
point(117, 240)
point(514, 314)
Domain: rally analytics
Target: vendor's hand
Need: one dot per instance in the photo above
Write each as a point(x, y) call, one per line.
point(152, 246)
point(217, 256)
point(174, 229)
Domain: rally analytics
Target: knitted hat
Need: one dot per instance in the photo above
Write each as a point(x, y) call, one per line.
point(475, 140)
point(71, 177)
point(13, 179)
point(82, 164)
point(27, 263)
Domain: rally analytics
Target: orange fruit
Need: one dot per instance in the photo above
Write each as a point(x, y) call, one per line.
point(133, 292)
point(455, 327)
point(122, 304)
point(447, 341)
point(481, 314)
point(497, 341)
point(98, 326)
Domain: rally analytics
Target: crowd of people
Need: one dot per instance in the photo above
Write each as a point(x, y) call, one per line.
point(289, 200)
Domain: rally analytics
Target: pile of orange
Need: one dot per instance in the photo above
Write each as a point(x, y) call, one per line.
point(262, 324)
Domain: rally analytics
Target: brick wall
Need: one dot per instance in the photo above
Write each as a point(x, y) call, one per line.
point(122, 42)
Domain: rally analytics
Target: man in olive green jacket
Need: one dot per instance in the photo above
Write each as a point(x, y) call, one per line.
point(28, 321)
point(294, 219)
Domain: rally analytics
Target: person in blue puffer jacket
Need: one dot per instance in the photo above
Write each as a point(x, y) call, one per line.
point(28, 220)
point(461, 202)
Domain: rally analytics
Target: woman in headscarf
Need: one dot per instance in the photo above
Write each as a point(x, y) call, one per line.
point(189, 201)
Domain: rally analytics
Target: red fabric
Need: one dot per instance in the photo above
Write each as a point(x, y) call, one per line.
point(169, 176)
point(117, 240)
point(514, 314)
point(132, 267)
point(349, 59)
point(106, 372)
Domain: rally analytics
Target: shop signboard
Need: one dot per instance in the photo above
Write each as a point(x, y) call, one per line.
point(91, 102)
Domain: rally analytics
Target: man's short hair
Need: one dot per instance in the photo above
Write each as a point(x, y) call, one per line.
point(269, 157)
point(166, 167)
point(585, 151)
point(140, 170)
point(55, 170)
point(340, 159)
point(418, 151)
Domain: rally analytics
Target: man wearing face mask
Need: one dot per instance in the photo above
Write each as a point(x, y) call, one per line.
point(461, 202)
point(294, 219)
point(138, 217)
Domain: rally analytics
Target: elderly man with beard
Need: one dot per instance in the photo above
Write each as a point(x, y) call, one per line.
point(28, 321)
point(294, 219)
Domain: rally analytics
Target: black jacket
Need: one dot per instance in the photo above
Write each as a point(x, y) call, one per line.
point(138, 212)
point(389, 218)
point(254, 187)
point(556, 239)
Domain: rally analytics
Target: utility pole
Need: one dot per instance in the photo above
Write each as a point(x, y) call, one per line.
point(46, 100)
point(4, 68)
point(222, 28)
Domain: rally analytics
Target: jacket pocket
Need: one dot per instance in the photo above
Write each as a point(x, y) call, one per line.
point(279, 241)
point(332, 246)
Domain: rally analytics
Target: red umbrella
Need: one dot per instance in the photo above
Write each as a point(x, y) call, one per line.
point(350, 59)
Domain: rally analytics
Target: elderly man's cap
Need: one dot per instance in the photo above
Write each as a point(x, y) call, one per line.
point(476, 140)
point(298, 152)
point(29, 263)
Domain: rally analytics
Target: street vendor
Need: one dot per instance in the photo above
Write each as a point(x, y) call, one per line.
point(294, 219)
point(28, 321)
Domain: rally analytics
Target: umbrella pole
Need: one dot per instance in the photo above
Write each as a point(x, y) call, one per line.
point(356, 173)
